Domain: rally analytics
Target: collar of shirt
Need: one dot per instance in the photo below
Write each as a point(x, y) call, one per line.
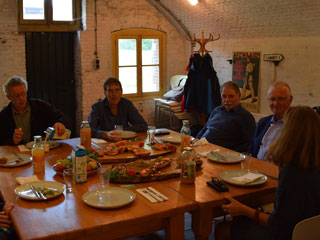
point(15, 112)
point(235, 109)
point(274, 122)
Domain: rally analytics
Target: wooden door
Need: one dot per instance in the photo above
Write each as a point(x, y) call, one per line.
point(50, 70)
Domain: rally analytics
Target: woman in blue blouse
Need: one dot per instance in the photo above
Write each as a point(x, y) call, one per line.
point(297, 153)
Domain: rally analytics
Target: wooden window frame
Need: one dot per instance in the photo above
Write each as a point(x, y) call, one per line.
point(48, 25)
point(138, 34)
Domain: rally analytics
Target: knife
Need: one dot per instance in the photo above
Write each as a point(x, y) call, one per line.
point(35, 191)
point(18, 156)
point(156, 194)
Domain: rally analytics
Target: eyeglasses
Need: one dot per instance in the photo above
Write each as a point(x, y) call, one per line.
point(279, 99)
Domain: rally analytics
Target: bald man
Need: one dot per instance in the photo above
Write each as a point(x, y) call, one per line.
point(268, 128)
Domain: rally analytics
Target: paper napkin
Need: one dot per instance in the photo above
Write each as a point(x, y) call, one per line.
point(23, 148)
point(23, 180)
point(202, 141)
point(152, 195)
point(97, 140)
point(247, 178)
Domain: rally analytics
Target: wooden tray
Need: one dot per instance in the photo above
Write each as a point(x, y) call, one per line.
point(172, 171)
point(129, 156)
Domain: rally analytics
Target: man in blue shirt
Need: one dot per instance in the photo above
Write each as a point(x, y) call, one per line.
point(268, 128)
point(114, 110)
point(230, 125)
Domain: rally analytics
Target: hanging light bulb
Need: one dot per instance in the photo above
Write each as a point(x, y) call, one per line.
point(193, 2)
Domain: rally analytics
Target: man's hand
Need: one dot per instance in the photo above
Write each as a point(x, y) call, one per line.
point(17, 136)
point(59, 128)
point(113, 135)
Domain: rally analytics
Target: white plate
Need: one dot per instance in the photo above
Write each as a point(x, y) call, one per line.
point(26, 158)
point(24, 191)
point(52, 144)
point(174, 138)
point(228, 175)
point(111, 197)
point(227, 157)
point(128, 134)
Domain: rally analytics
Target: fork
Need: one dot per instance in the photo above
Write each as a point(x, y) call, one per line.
point(151, 195)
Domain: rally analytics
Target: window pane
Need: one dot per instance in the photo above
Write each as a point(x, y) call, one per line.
point(150, 51)
point(128, 79)
point(127, 52)
point(150, 79)
point(62, 10)
point(33, 9)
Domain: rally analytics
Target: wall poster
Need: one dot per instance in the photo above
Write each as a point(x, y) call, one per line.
point(246, 73)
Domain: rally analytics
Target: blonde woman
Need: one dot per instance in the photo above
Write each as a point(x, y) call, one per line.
point(297, 153)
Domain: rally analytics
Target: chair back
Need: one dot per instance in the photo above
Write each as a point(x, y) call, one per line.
point(307, 229)
point(174, 80)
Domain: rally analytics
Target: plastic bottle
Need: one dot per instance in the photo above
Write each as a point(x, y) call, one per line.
point(85, 135)
point(188, 166)
point(38, 156)
point(185, 135)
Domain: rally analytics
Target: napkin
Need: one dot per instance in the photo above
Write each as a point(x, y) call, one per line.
point(203, 154)
point(202, 141)
point(23, 148)
point(23, 180)
point(152, 195)
point(247, 178)
point(97, 140)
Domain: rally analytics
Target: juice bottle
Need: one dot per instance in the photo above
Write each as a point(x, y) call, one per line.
point(38, 156)
point(185, 135)
point(85, 135)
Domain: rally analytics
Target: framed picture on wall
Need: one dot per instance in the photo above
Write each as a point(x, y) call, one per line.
point(246, 74)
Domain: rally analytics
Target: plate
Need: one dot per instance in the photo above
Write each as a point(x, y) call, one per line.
point(26, 158)
point(174, 138)
point(111, 197)
point(24, 191)
point(90, 173)
point(128, 134)
point(226, 157)
point(228, 175)
point(52, 144)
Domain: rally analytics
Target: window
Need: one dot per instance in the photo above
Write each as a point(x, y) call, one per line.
point(138, 62)
point(50, 15)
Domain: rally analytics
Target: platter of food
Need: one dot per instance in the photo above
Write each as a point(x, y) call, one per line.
point(124, 151)
point(66, 163)
point(15, 160)
point(142, 170)
point(49, 189)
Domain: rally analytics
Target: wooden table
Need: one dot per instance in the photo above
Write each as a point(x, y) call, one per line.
point(68, 217)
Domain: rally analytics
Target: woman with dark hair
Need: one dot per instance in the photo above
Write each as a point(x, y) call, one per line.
point(297, 153)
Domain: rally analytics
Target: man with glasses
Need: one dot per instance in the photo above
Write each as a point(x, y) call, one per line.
point(268, 128)
point(114, 110)
point(24, 117)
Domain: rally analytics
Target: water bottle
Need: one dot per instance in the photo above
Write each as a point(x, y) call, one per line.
point(185, 135)
point(188, 166)
point(38, 156)
point(85, 135)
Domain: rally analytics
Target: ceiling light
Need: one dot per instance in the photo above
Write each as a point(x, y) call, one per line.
point(193, 2)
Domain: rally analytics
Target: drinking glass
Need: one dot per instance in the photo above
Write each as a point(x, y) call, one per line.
point(245, 163)
point(68, 180)
point(104, 176)
point(118, 128)
point(151, 134)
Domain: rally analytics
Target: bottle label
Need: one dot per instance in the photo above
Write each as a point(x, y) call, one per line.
point(38, 161)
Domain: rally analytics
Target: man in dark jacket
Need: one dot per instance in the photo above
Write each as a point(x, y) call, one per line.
point(230, 125)
point(268, 128)
point(24, 118)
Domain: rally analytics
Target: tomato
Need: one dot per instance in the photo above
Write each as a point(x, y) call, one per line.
point(141, 144)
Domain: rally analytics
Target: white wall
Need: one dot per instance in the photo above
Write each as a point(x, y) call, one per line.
point(300, 68)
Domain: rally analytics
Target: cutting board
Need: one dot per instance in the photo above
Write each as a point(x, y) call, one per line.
point(129, 156)
point(172, 171)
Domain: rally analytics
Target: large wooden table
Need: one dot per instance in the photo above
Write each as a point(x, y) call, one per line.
point(68, 217)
